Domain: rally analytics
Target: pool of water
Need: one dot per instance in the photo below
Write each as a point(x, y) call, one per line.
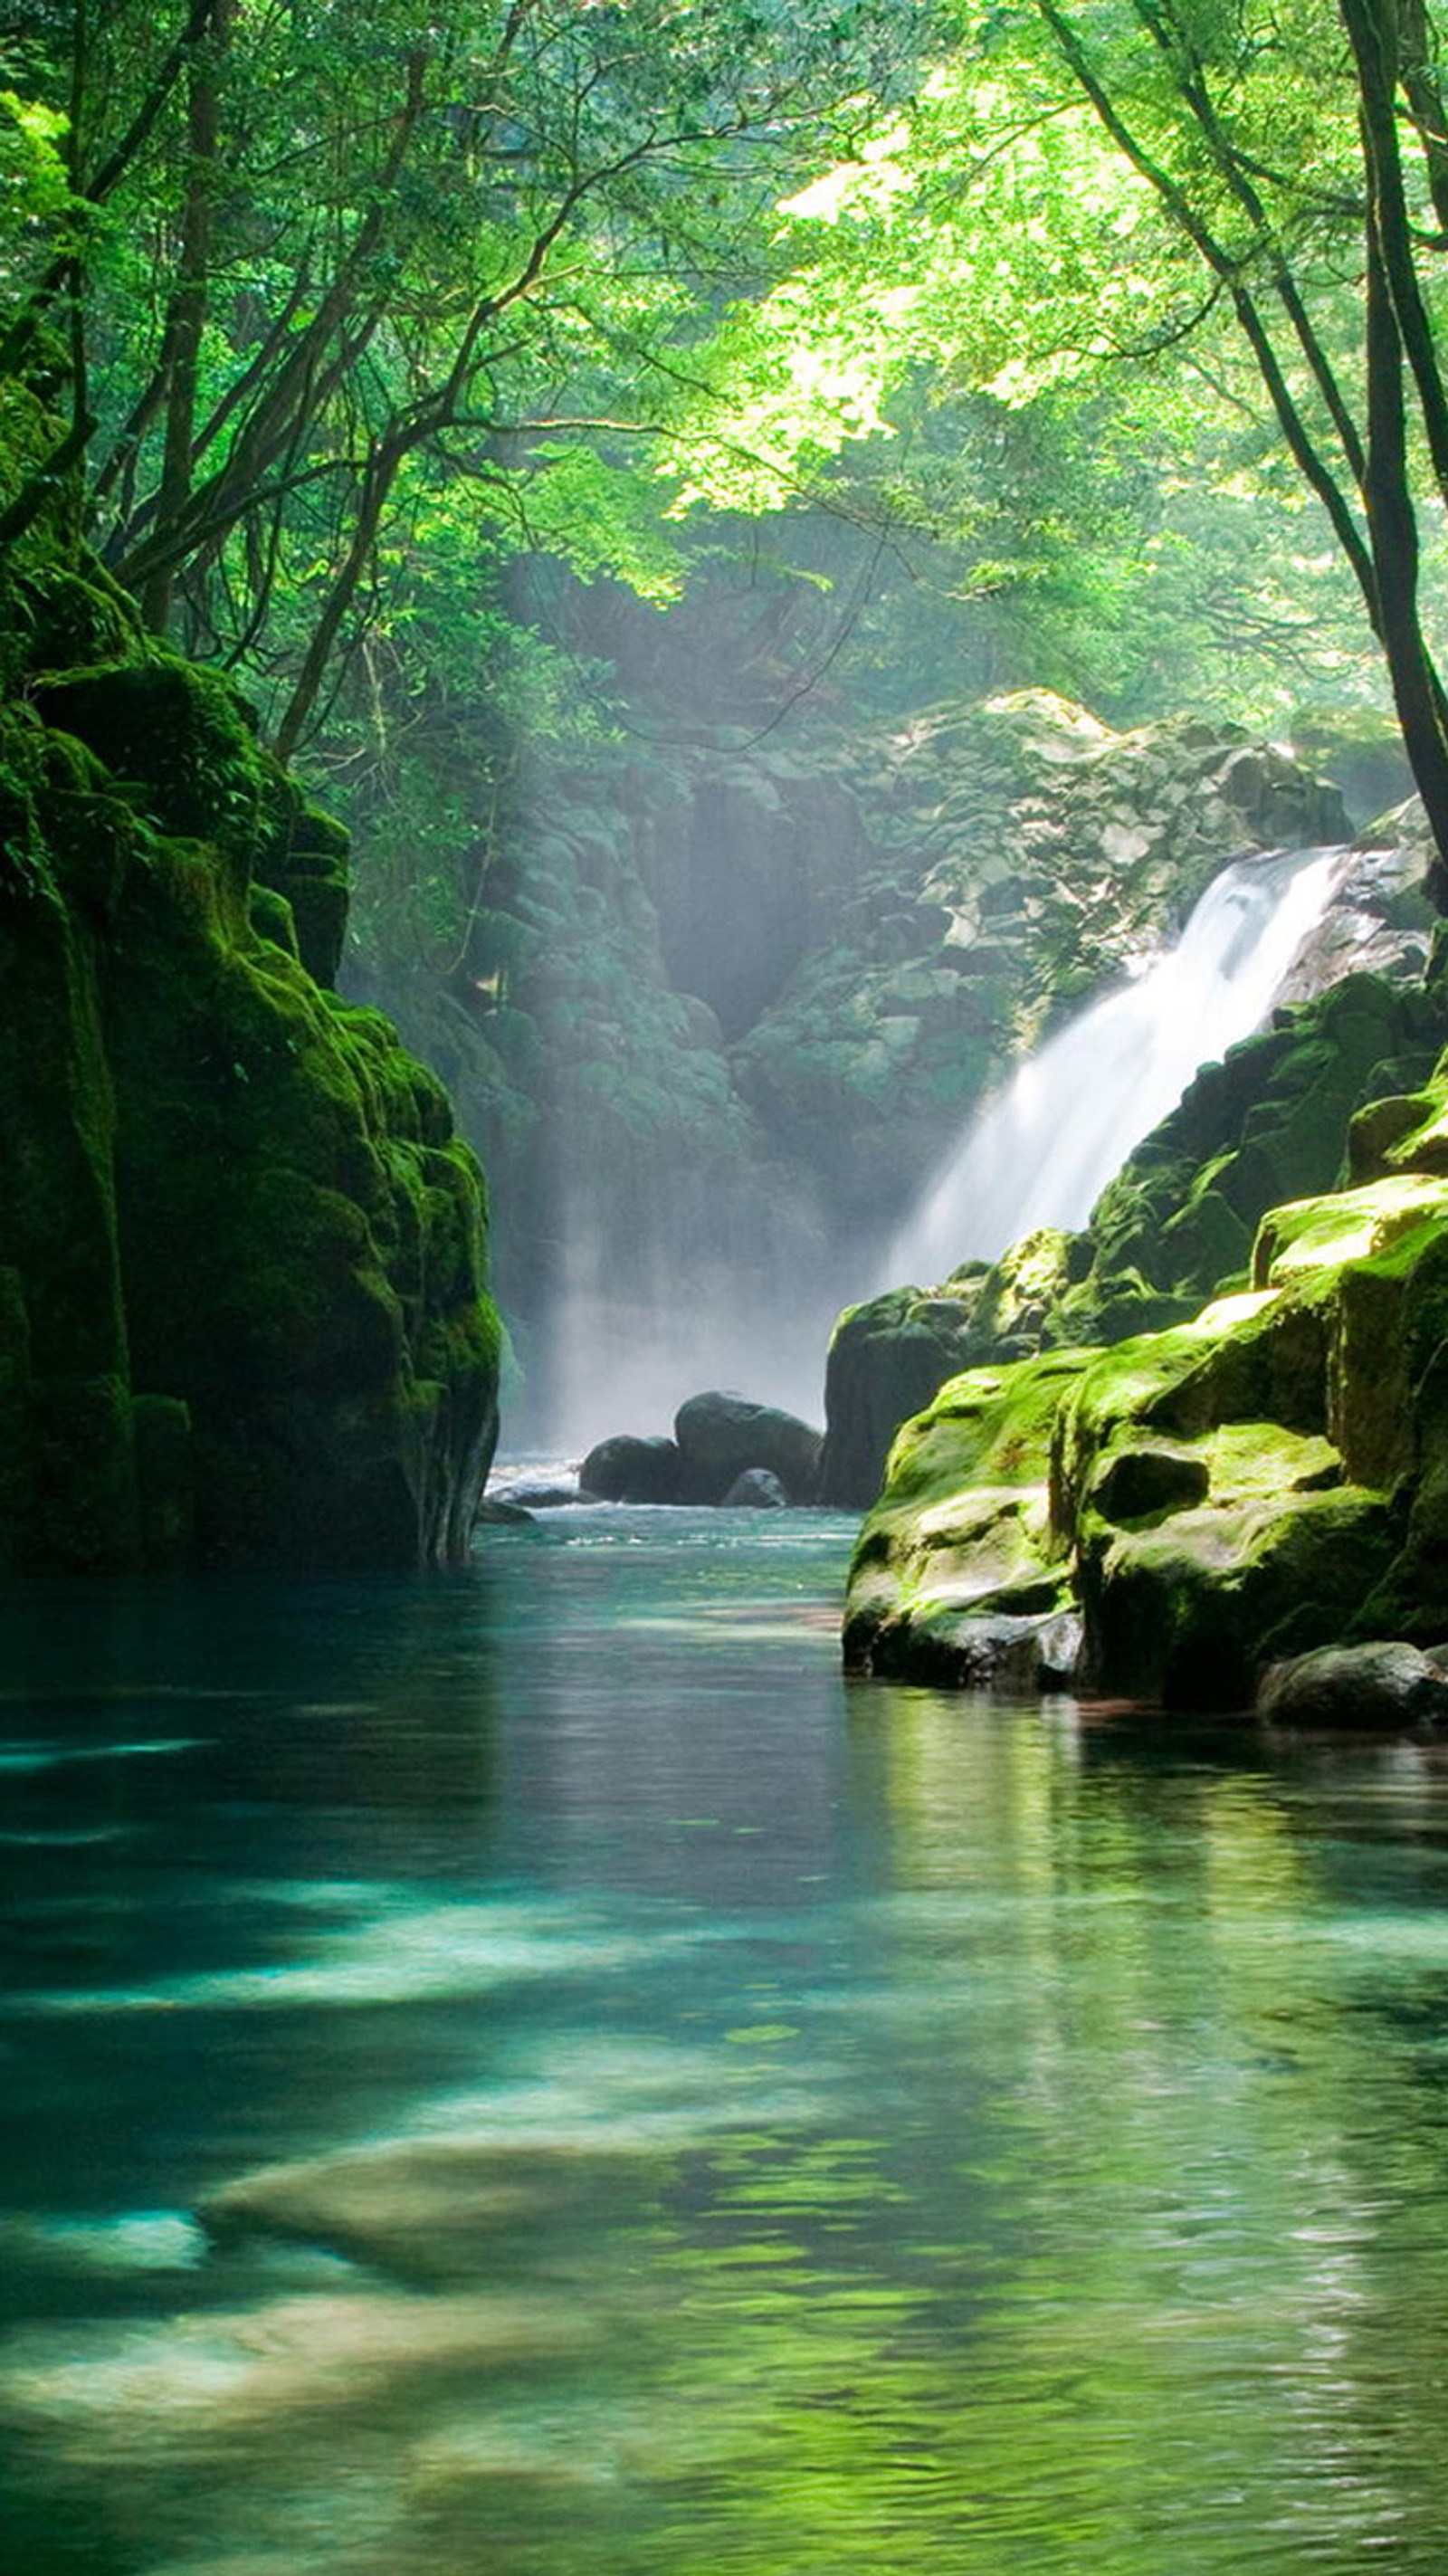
point(534, 2074)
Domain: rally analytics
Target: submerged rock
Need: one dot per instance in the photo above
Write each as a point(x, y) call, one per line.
point(429, 2210)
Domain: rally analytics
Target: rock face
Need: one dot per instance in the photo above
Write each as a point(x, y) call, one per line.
point(886, 1360)
point(1261, 1481)
point(241, 1250)
point(1019, 857)
point(768, 983)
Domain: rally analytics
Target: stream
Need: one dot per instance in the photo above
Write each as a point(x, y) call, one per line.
point(663, 2110)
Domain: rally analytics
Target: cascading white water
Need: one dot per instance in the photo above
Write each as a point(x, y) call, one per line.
point(1042, 1150)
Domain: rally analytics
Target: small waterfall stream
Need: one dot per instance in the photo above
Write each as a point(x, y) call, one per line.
point(1044, 1147)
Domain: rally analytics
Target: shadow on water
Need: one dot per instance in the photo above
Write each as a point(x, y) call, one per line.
point(535, 2074)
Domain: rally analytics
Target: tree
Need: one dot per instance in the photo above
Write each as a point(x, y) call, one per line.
point(1082, 192)
point(1259, 225)
point(316, 271)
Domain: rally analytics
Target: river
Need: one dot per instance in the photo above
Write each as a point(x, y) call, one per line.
point(664, 2110)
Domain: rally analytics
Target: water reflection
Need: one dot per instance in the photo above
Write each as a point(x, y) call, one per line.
point(536, 2076)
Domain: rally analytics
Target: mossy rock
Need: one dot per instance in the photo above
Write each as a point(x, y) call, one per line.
point(1268, 1478)
point(242, 1317)
point(887, 1358)
point(302, 855)
point(1188, 1613)
point(964, 1529)
point(1270, 1123)
point(179, 737)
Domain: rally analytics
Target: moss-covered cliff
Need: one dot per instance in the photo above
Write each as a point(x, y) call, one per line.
point(242, 1317)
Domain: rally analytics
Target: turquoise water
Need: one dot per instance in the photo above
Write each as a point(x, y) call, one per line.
point(662, 2110)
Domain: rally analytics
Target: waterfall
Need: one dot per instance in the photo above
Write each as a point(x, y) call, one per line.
point(1044, 1147)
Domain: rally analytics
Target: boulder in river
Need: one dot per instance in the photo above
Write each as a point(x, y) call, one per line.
point(721, 1435)
point(1391, 1684)
point(625, 1469)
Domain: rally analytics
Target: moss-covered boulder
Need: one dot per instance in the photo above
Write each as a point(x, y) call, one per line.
point(961, 1554)
point(242, 1317)
point(1264, 1480)
point(887, 1358)
point(1285, 1114)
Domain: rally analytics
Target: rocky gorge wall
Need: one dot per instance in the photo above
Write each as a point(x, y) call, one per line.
point(242, 1249)
point(718, 1008)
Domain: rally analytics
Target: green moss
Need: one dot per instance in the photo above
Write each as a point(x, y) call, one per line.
point(272, 918)
point(179, 737)
point(1188, 1613)
point(1265, 1126)
point(302, 855)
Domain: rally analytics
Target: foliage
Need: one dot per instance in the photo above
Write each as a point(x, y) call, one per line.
point(1242, 205)
point(344, 286)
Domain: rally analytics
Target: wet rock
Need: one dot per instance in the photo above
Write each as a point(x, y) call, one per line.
point(1388, 1685)
point(625, 1469)
point(534, 1494)
point(722, 1435)
point(1008, 1656)
point(495, 1513)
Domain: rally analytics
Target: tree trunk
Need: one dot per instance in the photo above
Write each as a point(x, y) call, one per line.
point(1393, 531)
point(186, 320)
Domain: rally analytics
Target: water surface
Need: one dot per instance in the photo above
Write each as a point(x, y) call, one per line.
point(662, 2110)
